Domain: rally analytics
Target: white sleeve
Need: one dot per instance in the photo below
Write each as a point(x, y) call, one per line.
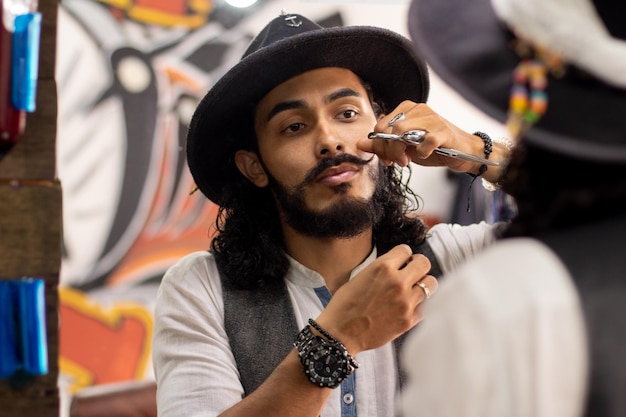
point(194, 367)
point(503, 336)
point(452, 244)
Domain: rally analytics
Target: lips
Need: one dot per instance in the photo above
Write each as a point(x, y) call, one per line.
point(339, 174)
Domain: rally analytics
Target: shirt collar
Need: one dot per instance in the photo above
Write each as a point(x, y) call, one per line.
point(302, 276)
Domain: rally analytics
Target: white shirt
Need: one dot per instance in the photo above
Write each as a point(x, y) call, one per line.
point(194, 367)
point(503, 336)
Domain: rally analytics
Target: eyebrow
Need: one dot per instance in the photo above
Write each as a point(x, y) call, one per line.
point(299, 104)
point(344, 92)
point(285, 105)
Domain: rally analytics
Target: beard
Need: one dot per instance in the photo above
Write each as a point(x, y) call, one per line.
point(345, 219)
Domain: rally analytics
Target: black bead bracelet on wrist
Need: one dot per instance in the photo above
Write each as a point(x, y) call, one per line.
point(353, 363)
point(324, 333)
point(488, 148)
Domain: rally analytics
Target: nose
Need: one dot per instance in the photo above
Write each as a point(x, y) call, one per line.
point(329, 143)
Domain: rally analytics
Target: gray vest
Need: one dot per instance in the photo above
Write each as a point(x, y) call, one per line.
point(261, 327)
point(595, 255)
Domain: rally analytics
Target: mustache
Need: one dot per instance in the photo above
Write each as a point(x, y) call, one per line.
point(333, 161)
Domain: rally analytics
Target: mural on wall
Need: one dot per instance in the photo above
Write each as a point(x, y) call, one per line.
point(129, 75)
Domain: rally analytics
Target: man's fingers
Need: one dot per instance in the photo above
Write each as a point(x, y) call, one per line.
point(427, 285)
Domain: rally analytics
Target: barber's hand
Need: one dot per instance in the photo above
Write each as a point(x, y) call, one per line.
point(439, 133)
point(381, 302)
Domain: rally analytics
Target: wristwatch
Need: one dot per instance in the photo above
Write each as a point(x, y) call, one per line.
point(326, 363)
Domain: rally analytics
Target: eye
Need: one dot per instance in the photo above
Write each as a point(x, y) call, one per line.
point(348, 114)
point(293, 128)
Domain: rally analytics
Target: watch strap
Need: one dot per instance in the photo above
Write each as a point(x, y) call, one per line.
point(305, 340)
point(312, 348)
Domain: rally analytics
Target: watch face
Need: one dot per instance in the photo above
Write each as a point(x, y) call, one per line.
point(326, 365)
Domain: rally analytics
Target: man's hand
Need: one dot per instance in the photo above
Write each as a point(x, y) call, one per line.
point(439, 133)
point(381, 302)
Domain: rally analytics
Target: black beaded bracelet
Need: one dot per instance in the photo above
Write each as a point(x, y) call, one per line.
point(324, 333)
point(488, 148)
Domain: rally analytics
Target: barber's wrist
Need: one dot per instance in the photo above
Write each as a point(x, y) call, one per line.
point(502, 148)
point(486, 153)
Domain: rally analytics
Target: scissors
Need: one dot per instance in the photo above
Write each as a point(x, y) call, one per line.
point(415, 137)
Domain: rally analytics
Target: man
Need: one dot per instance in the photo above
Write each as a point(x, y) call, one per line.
point(534, 325)
point(312, 225)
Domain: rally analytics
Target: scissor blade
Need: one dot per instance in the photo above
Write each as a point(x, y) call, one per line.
point(453, 153)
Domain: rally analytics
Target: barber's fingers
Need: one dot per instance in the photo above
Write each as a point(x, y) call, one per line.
point(388, 151)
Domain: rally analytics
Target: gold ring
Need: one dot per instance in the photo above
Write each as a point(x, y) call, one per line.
point(425, 288)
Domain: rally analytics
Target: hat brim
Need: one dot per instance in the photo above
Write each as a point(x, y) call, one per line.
point(466, 44)
point(384, 59)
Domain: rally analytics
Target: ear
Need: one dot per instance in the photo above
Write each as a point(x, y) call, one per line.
point(249, 165)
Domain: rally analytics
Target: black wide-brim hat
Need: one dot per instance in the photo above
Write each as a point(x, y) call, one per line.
point(468, 45)
point(288, 46)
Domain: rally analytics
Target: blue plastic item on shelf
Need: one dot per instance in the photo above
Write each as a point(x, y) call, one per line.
point(23, 342)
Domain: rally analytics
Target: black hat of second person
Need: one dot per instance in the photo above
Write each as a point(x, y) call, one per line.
point(468, 44)
point(288, 46)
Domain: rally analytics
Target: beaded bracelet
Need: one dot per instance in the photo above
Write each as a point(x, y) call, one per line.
point(324, 333)
point(488, 148)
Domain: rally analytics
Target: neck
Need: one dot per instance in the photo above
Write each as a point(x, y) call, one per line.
point(333, 259)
